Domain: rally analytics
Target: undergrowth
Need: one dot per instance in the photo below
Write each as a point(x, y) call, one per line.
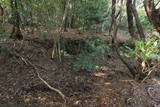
point(146, 54)
point(145, 50)
point(93, 56)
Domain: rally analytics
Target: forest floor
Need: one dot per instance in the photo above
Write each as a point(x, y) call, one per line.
point(20, 86)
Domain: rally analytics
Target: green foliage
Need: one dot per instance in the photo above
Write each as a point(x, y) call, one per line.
point(91, 12)
point(145, 23)
point(2, 30)
point(3, 49)
point(94, 55)
point(3, 33)
point(10, 20)
point(145, 50)
point(85, 62)
point(29, 24)
point(64, 53)
point(144, 20)
point(98, 47)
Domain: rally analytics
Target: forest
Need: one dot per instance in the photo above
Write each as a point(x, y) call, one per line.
point(79, 53)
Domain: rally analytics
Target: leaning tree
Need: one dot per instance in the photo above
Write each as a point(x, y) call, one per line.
point(153, 13)
point(133, 14)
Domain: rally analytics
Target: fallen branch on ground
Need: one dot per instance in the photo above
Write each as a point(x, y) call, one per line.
point(45, 82)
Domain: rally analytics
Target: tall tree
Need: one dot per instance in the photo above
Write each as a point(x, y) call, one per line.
point(133, 14)
point(116, 19)
point(138, 22)
point(153, 14)
point(64, 4)
point(113, 17)
point(130, 17)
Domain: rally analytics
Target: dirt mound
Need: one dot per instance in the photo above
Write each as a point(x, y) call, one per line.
point(20, 86)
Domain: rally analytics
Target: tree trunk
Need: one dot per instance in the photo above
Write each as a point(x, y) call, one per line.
point(66, 17)
point(73, 16)
point(113, 19)
point(114, 33)
point(16, 32)
point(131, 14)
point(1, 14)
point(131, 28)
point(138, 22)
point(153, 14)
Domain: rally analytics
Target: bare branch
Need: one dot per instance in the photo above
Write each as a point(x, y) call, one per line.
point(45, 82)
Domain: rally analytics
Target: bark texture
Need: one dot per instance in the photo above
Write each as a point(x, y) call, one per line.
point(130, 17)
point(153, 14)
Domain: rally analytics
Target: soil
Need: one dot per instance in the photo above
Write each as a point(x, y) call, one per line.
point(20, 86)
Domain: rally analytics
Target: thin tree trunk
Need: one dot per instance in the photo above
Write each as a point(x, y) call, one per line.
point(16, 32)
point(73, 16)
point(113, 19)
point(65, 18)
point(138, 23)
point(131, 28)
point(1, 14)
point(56, 45)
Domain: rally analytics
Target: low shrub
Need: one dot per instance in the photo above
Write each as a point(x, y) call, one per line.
point(93, 56)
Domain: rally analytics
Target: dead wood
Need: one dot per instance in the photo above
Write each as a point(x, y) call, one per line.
point(36, 71)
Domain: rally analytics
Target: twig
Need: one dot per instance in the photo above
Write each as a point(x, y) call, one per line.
point(45, 82)
point(149, 73)
point(157, 4)
point(39, 66)
point(147, 76)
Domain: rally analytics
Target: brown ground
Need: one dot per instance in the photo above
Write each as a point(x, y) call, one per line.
point(20, 86)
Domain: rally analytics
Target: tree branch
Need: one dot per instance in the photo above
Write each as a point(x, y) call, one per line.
point(45, 82)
